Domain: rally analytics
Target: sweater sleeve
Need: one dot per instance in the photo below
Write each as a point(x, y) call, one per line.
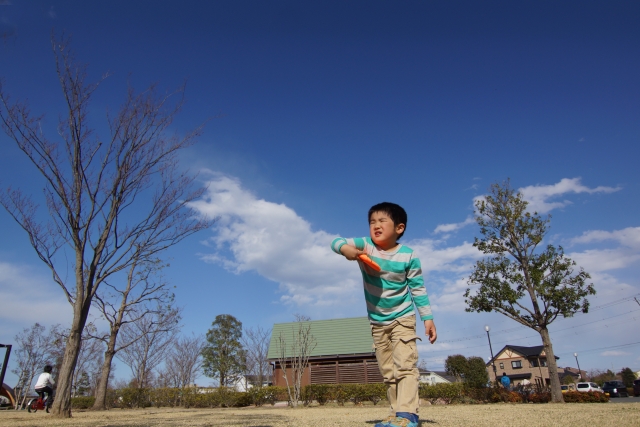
point(339, 242)
point(418, 290)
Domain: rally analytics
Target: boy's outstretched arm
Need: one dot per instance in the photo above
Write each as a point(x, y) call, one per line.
point(350, 252)
point(430, 330)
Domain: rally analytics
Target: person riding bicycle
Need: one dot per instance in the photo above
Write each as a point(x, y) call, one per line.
point(45, 384)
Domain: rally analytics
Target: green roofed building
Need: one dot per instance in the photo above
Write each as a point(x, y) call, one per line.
point(343, 353)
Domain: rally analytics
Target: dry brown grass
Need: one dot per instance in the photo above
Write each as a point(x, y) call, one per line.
point(511, 415)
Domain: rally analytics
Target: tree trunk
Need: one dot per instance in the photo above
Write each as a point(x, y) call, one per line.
point(556, 391)
point(101, 391)
point(62, 404)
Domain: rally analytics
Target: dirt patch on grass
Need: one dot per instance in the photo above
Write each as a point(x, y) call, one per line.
point(511, 415)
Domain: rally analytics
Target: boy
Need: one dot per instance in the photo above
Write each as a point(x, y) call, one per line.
point(390, 295)
point(45, 384)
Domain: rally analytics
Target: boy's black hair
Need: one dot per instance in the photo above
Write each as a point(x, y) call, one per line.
point(397, 214)
point(48, 369)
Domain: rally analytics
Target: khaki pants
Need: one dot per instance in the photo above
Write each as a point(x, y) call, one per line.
point(397, 356)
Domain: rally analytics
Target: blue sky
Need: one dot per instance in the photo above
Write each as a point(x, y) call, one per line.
point(321, 109)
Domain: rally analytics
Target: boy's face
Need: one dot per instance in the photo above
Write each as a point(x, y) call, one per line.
point(383, 231)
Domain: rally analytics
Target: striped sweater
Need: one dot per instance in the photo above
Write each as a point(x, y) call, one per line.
point(390, 293)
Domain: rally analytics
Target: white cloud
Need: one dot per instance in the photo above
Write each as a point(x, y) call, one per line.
point(447, 228)
point(28, 297)
point(605, 259)
point(271, 239)
point(538, 195)
point(629, 237)
point(614, 353)
point(452, 258)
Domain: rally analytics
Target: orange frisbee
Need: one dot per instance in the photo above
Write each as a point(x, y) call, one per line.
point(371, 263)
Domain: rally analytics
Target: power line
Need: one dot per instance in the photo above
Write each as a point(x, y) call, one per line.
point(503, 331)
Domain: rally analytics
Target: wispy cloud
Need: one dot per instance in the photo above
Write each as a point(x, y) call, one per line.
point(28, 297)
point(629, 237)
point(614, 353)
point(605, 259)
point(539, 196)
point(271, 239)
point(448, 228)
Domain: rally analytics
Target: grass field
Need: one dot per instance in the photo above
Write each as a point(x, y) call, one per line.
point(511, 415)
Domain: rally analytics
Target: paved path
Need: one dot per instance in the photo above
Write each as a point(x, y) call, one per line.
point(629, 399)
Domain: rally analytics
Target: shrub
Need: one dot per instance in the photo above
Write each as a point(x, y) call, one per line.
point(321, 393)
point(82, 402)
point(243, 399)
point(540, 397)
point(376, 392)
point(588, 397)
point(131, 397)
point(447, 392)
point(163, 397)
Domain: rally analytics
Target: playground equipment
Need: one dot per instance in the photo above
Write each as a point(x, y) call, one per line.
point(5, 390)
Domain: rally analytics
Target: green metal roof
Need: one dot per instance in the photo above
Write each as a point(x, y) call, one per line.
point(333, 337)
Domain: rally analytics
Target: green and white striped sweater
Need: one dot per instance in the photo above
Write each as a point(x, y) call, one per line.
point(391, 292)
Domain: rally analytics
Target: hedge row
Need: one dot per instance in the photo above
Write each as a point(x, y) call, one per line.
point(321, 393)
point(227, 397)
point(458, 393)
point(585, 397)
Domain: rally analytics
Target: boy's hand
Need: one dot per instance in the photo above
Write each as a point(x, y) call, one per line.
point(430, 330)
point(350, 252)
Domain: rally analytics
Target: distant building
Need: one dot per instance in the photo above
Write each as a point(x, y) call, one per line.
point(435, 377)
point(246, 382)
point(343, 354)
point(523, 365)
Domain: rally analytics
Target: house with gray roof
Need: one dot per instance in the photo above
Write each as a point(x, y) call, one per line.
point(523, 365)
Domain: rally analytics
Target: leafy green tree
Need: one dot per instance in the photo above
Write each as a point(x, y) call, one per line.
point(223, 355)
point(476, 375)
point(627, 376)
point(456, 365)
point(472, 370)
point(529, 285)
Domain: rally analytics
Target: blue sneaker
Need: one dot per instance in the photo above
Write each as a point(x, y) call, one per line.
point(401, 422)
point(385, 423)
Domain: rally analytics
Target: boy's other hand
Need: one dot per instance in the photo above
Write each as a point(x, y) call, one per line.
point(430, 330)
point(350, 252)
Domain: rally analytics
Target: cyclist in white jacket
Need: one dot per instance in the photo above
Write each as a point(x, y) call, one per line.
point(45, 384)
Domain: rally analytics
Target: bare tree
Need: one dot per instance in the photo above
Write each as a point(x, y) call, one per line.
point(184, 361)
point(89, 357)
point(32, 352)
point(151, 337)
point(293, 356)
point(142, 293)
point(111, 200)
point(256, 344)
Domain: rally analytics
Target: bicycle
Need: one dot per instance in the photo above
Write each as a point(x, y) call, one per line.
point(39, 403)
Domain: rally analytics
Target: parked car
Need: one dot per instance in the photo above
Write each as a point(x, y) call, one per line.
point(636, 388)
point(588, 387)
point(615, 389)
